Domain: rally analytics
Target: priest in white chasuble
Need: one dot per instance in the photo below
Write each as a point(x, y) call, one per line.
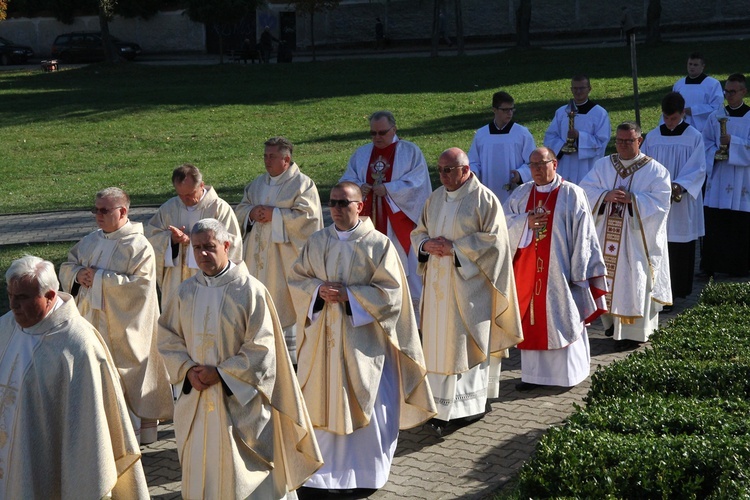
point(395, 183)
point(111, 274)
point(279, 212)
point(470, 312)
point(629, 194)
point(359, 360)
point(560, 274)
point(64, 426)
point(169, 228)
point(241, 425)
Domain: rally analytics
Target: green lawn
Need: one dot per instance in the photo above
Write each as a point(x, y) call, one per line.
point(67, 134)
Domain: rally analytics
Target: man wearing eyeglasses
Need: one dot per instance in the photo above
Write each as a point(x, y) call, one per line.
point(560, 275)
point(500, 149)
point(111, 273)
point(169, 228)
point(726, 247)
point(360, 362)
point(279, 212)
point(395, 182)
point(590, 132)
point(469, 309)
point(702, 93)
point(629, 194)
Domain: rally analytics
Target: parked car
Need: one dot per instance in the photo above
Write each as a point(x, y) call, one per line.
point(89, 46)
point(11, 53)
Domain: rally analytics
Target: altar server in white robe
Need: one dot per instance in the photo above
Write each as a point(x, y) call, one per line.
point(64, 427)
point(470, 312)
point(560, 275)
point(241, 425)
point(629, 195)
point(279, 212)
point(395, 183)
point(703, 94)
point(111, 273)
point(360, 363)
point(679, 147)
point(590, 133)
point(726, 246)
point(169, 228)
point(500, 149)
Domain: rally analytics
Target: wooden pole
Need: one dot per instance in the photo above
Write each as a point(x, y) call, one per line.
point(634, 66)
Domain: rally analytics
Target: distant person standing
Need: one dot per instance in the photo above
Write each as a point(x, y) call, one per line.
point(500, 149)
point(266, 44)
point(679, 147)
point(702, 93)
point(589, 134)
point(379, 34)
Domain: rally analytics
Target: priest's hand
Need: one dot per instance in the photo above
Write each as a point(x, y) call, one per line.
point(85, 277)
point(262, 213)
point(366, 188)
point(440, 247)
point(179, 236)
point(379, 190)
point(537, 221)
point(202, 377)
point(515, 177)
point(618, 196)
point(333, 292)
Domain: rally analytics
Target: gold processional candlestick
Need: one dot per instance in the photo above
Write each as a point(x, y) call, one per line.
point(570, 144)
point(723, 151)
point(676, 193)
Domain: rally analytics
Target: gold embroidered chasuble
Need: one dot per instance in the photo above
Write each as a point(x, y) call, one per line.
point(122, 305)
point(259, 441)
point(271, 248)
point(485, 318)
point(175, 213)
point(340, 364)
point(64, 426)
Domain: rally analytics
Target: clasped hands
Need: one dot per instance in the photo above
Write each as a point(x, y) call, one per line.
point(618, 196)
point(85, 277)
point(262, 213)
point(440, 247)
point(378, 189)
point(202, 377)
point(333, 292)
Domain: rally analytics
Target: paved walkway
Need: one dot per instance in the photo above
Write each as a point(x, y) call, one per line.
point(471, 462)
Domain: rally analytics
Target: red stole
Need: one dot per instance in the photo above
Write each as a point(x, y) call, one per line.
point(531, 268)
point(380, 171)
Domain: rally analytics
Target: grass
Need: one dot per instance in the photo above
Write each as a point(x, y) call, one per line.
point(56, 253)
point(70, 133)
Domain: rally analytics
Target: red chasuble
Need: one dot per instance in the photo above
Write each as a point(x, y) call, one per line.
point(531, 268)
point(379, 171)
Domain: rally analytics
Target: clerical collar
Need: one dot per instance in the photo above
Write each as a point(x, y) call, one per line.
point(549, 187)
point(114, 234)
point(697, 80)
point(585, 107)
point(344, 235)
point(627, 163)
point(211, 280)
point(678, 130)
point(504, 130)
point(737, 112)
point(193, 208)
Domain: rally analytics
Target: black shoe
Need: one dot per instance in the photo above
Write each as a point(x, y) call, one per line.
point(609, 331)
point(667, 309)
point(437, 426)
point(527, 386)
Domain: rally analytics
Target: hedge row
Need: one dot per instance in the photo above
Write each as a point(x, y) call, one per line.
point(667, 422)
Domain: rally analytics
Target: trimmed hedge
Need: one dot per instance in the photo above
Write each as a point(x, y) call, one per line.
point(667, 422)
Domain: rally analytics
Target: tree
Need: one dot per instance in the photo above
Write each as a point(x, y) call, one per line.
point(219, 12)
point(3, 9)
point(310, 7)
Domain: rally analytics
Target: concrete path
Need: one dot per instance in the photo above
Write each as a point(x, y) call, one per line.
point(468, 463)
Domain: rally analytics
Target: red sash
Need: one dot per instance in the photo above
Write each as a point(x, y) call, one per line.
point(401, 224)
point(531, 268)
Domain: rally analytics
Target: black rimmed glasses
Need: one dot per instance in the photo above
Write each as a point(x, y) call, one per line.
point(341, 203)
point(103, 211)
point(625, 141)
point(381, 133)
point(539, 164)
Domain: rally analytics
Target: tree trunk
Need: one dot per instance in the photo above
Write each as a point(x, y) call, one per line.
point(435, 28)
point(460, 28)
point(110, 54)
